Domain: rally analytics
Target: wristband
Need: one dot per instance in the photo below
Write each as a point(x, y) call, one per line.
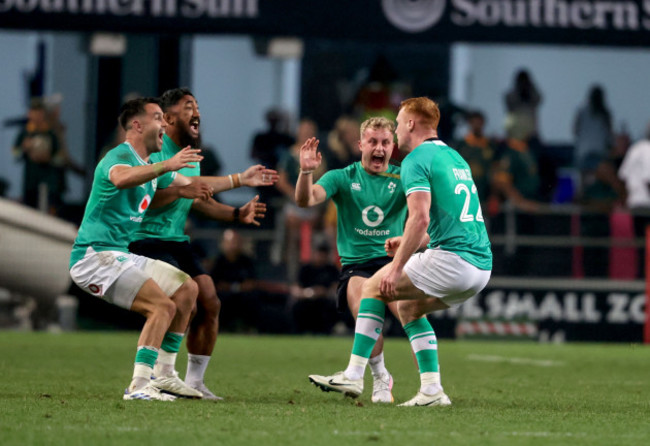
point(158, 168)
point(306, 172)
point(237, 179)
point(232, 183)
point(235, 214)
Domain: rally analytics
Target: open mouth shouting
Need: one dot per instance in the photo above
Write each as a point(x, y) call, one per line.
point(377, 160)
point(195, 124)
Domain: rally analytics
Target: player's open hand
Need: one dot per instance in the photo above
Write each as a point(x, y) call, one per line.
point(391, 245)
point(310, 157)
point(196, 189)
point(184, 158)
point(259, 175)
point(251, 211)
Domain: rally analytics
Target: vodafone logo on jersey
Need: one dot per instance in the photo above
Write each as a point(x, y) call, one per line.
point(413, 16)
point(144, 204)
point(375, 212)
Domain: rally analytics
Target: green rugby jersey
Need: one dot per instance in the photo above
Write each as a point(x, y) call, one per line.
point(370, 209)
point(456, 222)
point(168, 222)
point(113, 215)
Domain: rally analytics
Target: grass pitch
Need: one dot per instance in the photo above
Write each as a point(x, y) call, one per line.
point(66, 390)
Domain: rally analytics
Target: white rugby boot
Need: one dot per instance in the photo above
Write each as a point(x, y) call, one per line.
point(148, 393)
point(338, 383)
point(176, 386)
point(381, 388)
point(422, 399)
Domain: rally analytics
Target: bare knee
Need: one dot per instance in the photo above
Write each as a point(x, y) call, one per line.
point(370, 289)
point(165, 309)
point(409, 310)
point(185, 296)
point(210, 304)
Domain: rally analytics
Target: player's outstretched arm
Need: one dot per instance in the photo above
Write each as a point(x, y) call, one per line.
point(310, 159)
point(258, 175)
point(247, 214)
point(181, 187)
point(126, 177)
point(254, 176)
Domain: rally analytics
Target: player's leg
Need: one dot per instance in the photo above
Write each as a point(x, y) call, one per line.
point(202, 335)
point(445, 280)
point(382, 379)
point(181, 256)
point(159, 310)
point(182, 291)
point(368, 327)
point(371, 318)
point(183, 298)
point(424, 345)
point(114, 277)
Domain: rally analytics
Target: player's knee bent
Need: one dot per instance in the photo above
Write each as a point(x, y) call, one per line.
point(409, 310)
point(371, 289)
point(185, 296)
point(165, 309)
point(211, 305)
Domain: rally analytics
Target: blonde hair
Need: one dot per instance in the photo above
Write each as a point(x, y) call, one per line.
point(424, 108)
point(377, 123)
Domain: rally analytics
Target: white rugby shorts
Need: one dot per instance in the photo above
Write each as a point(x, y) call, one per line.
point(445, 275)
point(118, 276)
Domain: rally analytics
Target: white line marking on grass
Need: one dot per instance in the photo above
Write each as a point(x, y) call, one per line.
point(337, 432)
point(608, 382)
point(519, 361)
point(547, 434)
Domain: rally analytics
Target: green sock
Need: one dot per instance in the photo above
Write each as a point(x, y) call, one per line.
point(145, 358)
point(172, 342)
point(166, 363)
point(425, 346)
point(146, 355)
point(370, 322)
point(424, 343)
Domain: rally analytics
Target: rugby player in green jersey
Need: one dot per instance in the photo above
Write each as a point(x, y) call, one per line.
point(444, 215)
point(371, 208)
point(162, 233)
point(123, 186)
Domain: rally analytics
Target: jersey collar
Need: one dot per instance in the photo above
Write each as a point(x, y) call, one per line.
point(138, 157)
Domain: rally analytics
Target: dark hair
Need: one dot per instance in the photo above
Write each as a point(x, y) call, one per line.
point(597, 101)
point(132, 108)
point(524, 85)
point(474, 114)
point(171, 97)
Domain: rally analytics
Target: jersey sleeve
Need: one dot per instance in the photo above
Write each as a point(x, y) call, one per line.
point(330, 182)
point(415, 176)
point(115, 157)
point(165, 180)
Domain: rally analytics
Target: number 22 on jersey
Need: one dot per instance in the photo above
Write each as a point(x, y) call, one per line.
point(468, 214)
